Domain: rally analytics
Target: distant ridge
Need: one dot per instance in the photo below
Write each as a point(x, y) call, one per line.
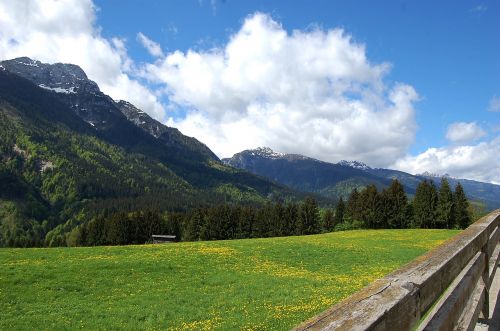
point(335, 180)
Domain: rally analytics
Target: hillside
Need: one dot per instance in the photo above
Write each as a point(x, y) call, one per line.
point(266, 284)
point(68, 152)
point(304, 173)
point(336, 180)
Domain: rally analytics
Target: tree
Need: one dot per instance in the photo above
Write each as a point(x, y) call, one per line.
point(193, 226)
point(353, 207)
point(462, 215)
point(291, 216)
point(425, 205)
point(328, 220)
point(397, 214)
point(262, 224)
point(369, 203)
point(278, 221)
point(309, 217)
point(339, 212)
point(245, 222)
point(445, 209)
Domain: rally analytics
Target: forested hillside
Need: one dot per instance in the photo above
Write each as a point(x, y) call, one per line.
point(58, 170)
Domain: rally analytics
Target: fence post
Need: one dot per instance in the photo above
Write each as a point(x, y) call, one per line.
point(485, 311)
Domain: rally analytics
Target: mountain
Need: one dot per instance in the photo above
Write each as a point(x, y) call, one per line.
point(69, 152)
point(305, 173)
point(170, 137)
point(337, 180)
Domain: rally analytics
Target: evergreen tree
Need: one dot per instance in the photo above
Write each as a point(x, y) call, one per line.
point(425, 205)
point(309, 217)
point(245, 222)
point(462, 215)
point(339, 212)
point(445, 210)
point(278, 226)
point(410, 216)
point(173, 225)
point(397, 217)
point(262, 228)
point(193, 226)
point(353, 208)
point(291, 215)
point(328, 220)
point(369, 203)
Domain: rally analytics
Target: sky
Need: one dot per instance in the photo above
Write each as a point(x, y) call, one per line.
point(408, 85)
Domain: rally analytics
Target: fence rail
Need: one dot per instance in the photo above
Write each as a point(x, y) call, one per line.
point(445, 289)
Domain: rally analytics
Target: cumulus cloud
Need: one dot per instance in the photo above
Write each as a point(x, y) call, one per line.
point(65, 31)
point(462, 132)
point(152, 47)
point(479, 162)
point(494, 104)
point(310, 92)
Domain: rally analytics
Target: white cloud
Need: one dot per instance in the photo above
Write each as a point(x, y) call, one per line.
point(310, 92)
point(153, 47)
point(494, 104)
point(479, 162)
point(462, 132)
point(65, 31)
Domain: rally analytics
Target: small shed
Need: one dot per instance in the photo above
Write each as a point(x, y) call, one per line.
point(163, 238)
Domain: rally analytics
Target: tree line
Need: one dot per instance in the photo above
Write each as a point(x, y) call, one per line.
point(391, 208)
point(368, 208)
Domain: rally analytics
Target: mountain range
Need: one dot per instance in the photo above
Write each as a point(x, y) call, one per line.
point(69, 152)
point(335, 180)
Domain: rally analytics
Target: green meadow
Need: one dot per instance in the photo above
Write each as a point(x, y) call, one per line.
point(251, 284)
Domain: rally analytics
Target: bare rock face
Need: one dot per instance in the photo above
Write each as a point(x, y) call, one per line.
point(171, 137)
point(70, 84)
point(72, 87)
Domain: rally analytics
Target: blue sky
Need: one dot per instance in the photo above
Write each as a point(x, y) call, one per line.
point(407, 85)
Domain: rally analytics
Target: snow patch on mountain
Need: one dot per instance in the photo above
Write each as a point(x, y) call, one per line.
point(354, 164)
point(266, 152)
point(70, 90)
point(431, 174)
point(28, 62)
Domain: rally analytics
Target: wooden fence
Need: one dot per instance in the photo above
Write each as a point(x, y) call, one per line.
point(446, 289)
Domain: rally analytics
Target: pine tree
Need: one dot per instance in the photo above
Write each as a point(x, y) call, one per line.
point(445, 210)
point(328, 220)
point(339, 212)
point(462, 215)
point(278, 226)
point(397, 205)
point(425, 205)
point(353, 207)
point(309, 217)
point(193, 226)
point(245, 222)
point(369, 203)
point(291, 215)
point(262, 224)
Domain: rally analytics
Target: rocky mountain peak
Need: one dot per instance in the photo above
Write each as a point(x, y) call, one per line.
point(55, 76)
point(71, 86)
point(354, 164)
point(141, 119)
point(265, 152)
point(432, 174)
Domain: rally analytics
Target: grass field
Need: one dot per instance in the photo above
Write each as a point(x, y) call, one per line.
point(260, 284)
